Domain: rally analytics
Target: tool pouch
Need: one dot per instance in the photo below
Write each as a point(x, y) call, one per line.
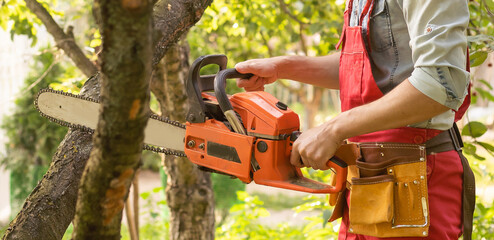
point(388, 197)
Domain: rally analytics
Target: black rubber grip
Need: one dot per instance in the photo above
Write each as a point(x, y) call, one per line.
point(220, 86)
point(338, 162)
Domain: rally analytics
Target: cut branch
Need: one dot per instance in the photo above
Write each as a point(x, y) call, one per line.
point(63, 40)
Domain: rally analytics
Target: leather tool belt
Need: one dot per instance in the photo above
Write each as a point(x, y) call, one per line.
point(388, 183)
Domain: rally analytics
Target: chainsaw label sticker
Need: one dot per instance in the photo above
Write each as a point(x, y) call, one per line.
point(223, 151)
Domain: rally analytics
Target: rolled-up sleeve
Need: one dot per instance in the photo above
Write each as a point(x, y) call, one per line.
point(438, 42)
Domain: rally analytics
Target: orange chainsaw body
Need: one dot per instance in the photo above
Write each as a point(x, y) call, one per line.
point(263, 155)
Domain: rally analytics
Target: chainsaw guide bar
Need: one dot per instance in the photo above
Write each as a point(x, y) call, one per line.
point(89, 111)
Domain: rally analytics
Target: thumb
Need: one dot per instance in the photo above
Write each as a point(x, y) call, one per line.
point(245, 67)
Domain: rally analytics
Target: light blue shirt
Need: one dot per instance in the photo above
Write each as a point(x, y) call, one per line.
point(424, 41)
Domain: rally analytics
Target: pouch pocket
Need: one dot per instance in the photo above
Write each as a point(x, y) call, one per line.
point(410, 191)
point(390, 198)
point(371, 200)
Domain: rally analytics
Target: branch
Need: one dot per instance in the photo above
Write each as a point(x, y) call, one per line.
point(172, 18)
point(302, 24)
point(285, 9)
point(63, 40)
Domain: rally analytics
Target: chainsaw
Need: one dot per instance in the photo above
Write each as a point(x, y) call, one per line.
point(247, 135)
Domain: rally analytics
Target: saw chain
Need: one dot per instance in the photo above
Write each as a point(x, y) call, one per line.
point(90, 130)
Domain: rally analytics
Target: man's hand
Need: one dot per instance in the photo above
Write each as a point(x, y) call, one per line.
point(264, 70)
point(315, 147)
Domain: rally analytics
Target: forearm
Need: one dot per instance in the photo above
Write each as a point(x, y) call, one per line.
point(319, 71)
point(402, 106)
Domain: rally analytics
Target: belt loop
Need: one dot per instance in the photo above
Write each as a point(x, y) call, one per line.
point(454, 132)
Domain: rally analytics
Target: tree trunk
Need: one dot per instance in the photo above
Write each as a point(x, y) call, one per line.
point(189, 193)
point(117, 145)
point(312, 106)
point(51, 206)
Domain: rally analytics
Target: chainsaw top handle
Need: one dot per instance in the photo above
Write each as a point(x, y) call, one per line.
point(197, 83)
point(222, 97)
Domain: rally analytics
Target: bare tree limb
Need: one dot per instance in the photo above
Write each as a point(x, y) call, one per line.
point(63, 40)
point(173, 18)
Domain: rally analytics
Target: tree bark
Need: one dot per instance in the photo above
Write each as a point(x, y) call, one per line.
point(189, 191)
point(39, 219)
point(117, 145)
point(173, 18)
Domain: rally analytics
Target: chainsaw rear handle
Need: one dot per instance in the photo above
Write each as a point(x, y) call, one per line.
point(222, 97)
point(339, 166)
point(341, 171)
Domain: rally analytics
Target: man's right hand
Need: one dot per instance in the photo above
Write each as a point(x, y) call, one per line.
point(264, 70)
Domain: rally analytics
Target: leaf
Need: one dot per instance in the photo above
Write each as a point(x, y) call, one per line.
point(487, 146)
point(157, 189)
point(145, 195)
point(477, 58)
point(471, 149)
point(326, 214)
point(486, 83)
point(474, 129)
point(485, 94)
point(95, 43)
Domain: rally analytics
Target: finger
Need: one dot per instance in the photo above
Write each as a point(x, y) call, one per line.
point(305, 161)
point(295, 158)
point(258, 85)
point(252, 89)
point(243, 83)
point(320, 164)
point(244, 67)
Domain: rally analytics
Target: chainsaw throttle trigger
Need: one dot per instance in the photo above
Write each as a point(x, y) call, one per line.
point(222, 97)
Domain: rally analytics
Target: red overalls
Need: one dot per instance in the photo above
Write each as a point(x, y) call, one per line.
point(444, 170)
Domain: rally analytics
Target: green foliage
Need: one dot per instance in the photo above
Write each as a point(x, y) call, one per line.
point(242, 225)
point(225, 189)
point(481, 30)
point(243, 222)
point(474, 129)
point(16, 17)
point(483, 222)
point(245, 29)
